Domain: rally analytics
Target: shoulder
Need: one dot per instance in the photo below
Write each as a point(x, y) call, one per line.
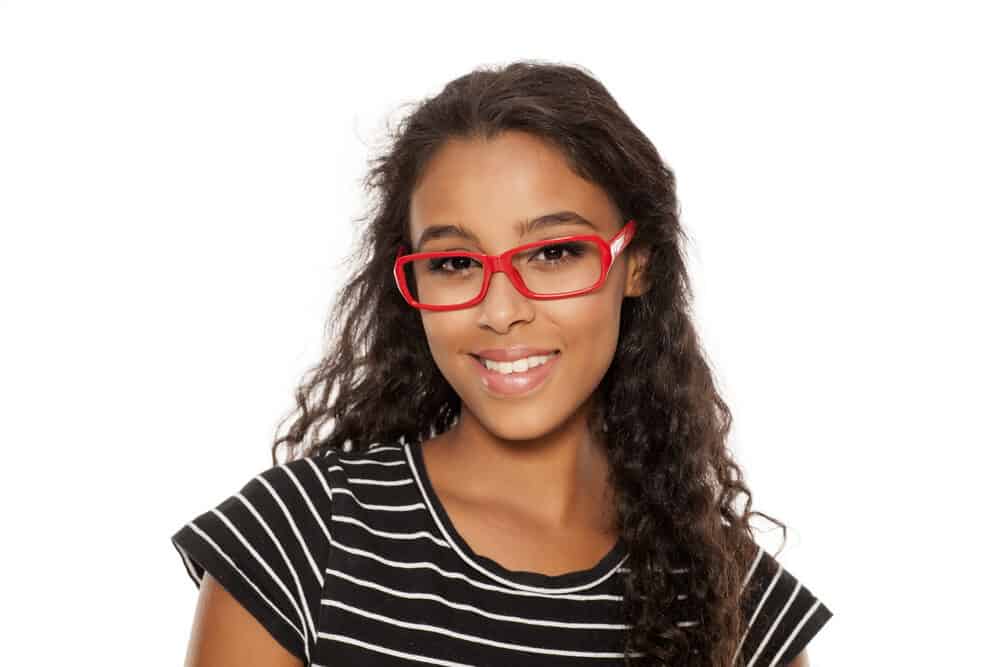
point(267, 544)
point(291, 496)
point(377, 465)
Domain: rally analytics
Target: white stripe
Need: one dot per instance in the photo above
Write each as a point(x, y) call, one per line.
point(236, 569)
point(774, 625)
point(476, 610)
point(386, 448)
point(294, 526)
point(458, 575)
point(395, 536)
point(675, 570)
point(760, 606)
point(380, 482)
point(373, 461)
point(473, 638)
point(320, 476)
point(388, 651)
point(267, 568)
point(309, 503)
point(284, 556)
point(387, 508)
point(795, 632)
point(753, 567)
point(189, 564)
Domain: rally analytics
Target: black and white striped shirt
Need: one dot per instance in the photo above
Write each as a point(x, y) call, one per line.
point(349, 558)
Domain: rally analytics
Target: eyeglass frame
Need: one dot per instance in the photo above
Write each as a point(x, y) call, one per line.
point(502, 264)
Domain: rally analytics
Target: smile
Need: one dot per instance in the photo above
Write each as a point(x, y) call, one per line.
point(519, 366)
point(516, 377)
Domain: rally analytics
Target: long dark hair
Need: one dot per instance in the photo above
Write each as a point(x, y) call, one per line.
point(661, 416)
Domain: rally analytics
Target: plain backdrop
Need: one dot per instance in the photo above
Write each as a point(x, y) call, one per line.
point(177, 187)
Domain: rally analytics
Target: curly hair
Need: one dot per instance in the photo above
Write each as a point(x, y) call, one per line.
point(659, 412)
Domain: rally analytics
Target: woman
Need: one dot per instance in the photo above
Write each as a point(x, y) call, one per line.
point(524, 458)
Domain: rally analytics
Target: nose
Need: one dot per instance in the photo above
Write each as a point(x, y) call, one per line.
point(503, 304)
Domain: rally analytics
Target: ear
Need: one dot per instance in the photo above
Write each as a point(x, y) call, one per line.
point(637, 282)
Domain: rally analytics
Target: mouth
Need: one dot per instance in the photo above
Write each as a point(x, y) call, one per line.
point(520, 377)
point(526, 363)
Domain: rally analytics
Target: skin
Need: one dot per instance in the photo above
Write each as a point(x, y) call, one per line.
point(523, 481)
point(225, 634)
point(521, 478)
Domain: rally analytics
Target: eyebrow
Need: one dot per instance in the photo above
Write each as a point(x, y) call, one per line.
point(542, 222)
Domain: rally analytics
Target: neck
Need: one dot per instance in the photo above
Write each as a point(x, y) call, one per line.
point(558, 480)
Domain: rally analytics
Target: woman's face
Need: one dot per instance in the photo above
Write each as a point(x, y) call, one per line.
point(489, 188)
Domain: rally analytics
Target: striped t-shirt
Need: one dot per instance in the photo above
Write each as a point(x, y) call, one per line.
point(349, 558)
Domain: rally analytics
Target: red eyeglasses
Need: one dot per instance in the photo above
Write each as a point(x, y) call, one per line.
point(459, 279)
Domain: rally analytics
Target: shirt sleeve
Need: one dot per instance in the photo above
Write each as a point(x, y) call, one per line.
point(267, 546)
point(782, 614)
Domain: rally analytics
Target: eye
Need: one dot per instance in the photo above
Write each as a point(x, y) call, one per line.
point(555, 252)
point(459, 263)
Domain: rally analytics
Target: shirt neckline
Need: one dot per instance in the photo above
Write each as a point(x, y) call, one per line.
point(520, 579)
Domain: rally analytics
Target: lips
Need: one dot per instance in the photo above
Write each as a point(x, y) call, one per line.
point(517, 383)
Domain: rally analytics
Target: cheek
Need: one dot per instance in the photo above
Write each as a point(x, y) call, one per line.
point(446, 333)
point(440, 328)
point(589, 324)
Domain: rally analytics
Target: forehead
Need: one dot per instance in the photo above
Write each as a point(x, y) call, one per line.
point(490, 186)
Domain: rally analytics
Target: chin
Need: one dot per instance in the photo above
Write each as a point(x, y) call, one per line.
point(516, 422)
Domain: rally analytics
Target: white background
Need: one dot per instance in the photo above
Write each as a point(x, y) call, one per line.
point(177, 184)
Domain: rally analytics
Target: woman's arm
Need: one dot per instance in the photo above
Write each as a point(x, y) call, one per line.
point(226, 635)
point(801, 660)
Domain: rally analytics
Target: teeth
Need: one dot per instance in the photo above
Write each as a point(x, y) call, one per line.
point(518, 366)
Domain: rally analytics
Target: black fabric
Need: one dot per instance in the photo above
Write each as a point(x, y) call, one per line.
point(349, 558)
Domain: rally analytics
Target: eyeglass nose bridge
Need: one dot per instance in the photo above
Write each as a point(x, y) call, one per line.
point(502, 263)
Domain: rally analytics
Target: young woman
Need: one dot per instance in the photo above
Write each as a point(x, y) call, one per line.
point(523, 458)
